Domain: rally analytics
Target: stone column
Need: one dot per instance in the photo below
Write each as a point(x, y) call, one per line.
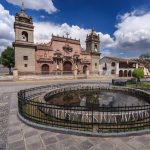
point(75, 73)
point(117, 68)
point(15, 75)
point(87, 74)
point(137, 66)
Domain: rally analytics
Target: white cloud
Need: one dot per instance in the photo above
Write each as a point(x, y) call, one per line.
point(61, 30)
point(131, 38)
point(42, 16)
point(106, 40)
point(106, 53)
point(133, 31)
point(48, 29)
point(46, 5)
point(6, 28)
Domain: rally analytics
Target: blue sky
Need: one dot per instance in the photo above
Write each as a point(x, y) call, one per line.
point(123, 25)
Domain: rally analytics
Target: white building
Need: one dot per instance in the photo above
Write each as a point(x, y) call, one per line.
point(146, 70)
point(117, 66)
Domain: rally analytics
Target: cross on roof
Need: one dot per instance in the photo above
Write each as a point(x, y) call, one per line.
point(23, 8)
point(67, 34)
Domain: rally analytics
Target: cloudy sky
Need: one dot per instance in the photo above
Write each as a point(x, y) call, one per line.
point(123, 25)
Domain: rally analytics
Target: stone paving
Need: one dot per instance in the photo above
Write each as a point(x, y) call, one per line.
point(23, 137)
point(4, 115)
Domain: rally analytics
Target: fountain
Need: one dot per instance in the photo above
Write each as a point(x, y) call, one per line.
point(88, 107)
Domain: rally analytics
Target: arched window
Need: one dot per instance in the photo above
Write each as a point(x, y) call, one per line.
point(85, 67)
point(129, 73)
point(105, 67)
point(24, 36)
point(125, 73)
point(113, 64)
point(95, 48)
point(121, 73)
point(95, 65)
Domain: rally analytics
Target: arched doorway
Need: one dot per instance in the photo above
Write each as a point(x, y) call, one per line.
point(113, 71)
point(125, 73)
point(129, 73)
point(67, 66)
point(120, 73)
point(84, 69)
point(45, 69)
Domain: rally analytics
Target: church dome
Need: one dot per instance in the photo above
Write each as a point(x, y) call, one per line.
point(93, 35)
point(22, 16)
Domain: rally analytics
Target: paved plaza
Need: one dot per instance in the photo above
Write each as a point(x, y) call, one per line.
point(19, 136)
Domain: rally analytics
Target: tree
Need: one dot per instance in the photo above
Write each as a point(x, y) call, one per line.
point(145, 60)
point(138, 73)
point(8, 58)
point(0, 60)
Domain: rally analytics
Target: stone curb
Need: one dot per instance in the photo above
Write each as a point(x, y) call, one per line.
point(81, 133)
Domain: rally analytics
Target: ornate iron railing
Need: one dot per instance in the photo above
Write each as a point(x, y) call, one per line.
point(100, 120)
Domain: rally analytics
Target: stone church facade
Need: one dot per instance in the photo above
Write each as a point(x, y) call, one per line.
point(61, 54)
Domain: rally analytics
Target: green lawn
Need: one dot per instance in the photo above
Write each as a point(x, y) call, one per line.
point(141, 85)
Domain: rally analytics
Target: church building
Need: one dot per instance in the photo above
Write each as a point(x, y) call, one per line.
point(61, 54)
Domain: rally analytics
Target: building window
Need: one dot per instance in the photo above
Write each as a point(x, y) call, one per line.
point(25, 57)
point(24, 36)
point(95, 48)
point(113, 64)
point(105, 67)
point(25, 65)
point(95, 65)
point(112, 71)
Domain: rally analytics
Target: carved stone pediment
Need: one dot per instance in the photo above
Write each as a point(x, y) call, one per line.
point(58, 52)
point(44, 60)
point(24, 19)
point(67, 48)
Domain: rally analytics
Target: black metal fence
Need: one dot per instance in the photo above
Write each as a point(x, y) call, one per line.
point(91, 119)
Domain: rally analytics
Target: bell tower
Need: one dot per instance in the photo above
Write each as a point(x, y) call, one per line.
point(24, 42)
point(93, 42)
point(93, 46)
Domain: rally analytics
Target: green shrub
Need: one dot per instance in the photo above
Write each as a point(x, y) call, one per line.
point(138, 73)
